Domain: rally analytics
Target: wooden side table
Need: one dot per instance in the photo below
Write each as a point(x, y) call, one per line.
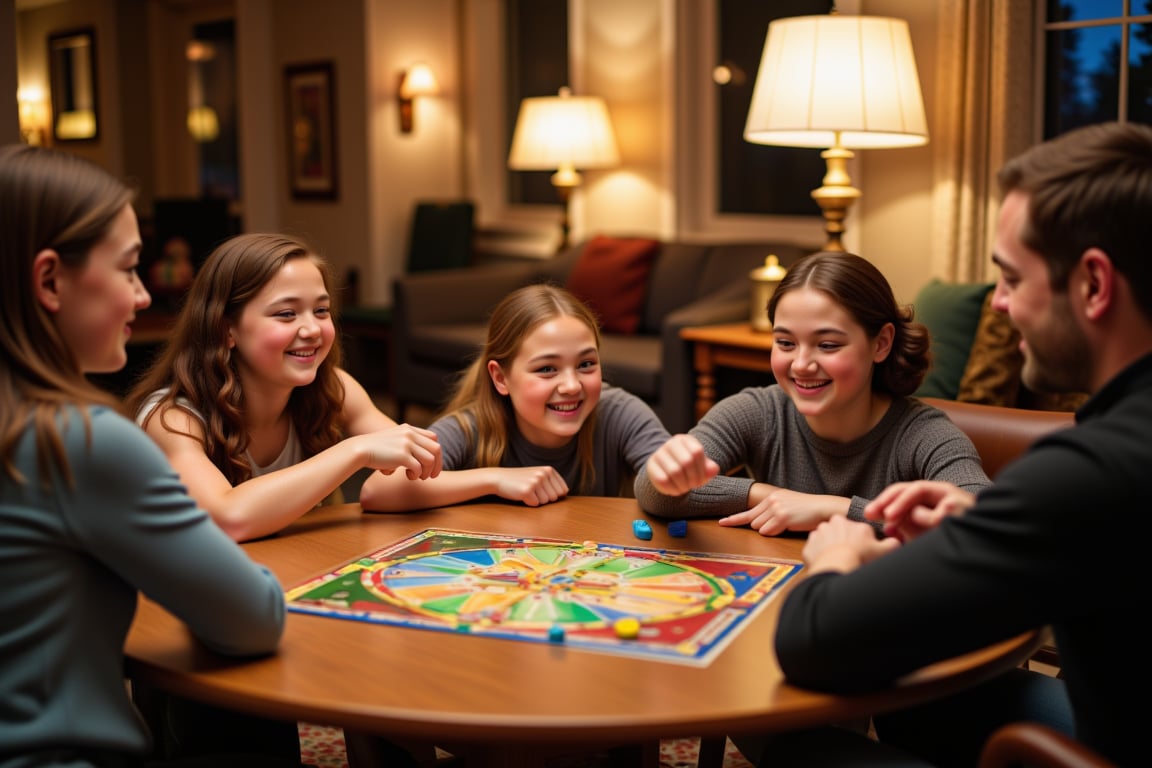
point(734, 345)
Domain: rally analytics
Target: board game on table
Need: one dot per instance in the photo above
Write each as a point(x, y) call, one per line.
point(687, 605)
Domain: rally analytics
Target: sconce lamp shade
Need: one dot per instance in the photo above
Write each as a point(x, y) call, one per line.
point(821, 76)
point(840, 82)
point(563, 133)
point(33, 113)
point(419, 81)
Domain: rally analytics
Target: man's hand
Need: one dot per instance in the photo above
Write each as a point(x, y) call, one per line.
point(840, 544)
point(909, 509)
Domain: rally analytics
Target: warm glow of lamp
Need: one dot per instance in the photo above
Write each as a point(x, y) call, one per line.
point(33, 115)
point(418, 80)
point(203, 124)
point(202, 121)
point(564, 133)
point(841, 82)
point(77, 124)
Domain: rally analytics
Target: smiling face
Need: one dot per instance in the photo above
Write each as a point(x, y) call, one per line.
point(96, 303)
point(286, 330)
point(1056, 352)
point(824, 359)
point(553, 381)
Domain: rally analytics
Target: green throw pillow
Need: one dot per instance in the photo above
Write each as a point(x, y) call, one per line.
point(951, 311)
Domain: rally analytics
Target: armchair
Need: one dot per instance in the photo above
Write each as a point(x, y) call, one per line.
point(1032, 744)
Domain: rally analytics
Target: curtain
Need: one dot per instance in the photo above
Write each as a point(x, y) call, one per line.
point(984, 114)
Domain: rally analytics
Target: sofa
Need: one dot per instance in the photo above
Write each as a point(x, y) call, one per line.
point(643, 290)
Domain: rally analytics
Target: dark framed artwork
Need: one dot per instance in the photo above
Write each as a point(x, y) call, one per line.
point(310, 106)
point(72, 73)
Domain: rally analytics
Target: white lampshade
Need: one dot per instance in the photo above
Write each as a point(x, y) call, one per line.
point(821, 76)
point(565, 131)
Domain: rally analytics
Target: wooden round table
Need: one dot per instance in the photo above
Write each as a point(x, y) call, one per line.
point(411, 683)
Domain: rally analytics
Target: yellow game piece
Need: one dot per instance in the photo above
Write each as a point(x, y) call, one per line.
point(627, 628)
point(590, 544)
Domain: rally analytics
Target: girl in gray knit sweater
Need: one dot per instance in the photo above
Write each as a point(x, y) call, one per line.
point(837, 427)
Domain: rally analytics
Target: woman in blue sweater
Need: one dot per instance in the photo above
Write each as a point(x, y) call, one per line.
point(91, 513)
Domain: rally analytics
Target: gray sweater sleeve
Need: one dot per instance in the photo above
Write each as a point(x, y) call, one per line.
point(733, 432)
point(758, 434)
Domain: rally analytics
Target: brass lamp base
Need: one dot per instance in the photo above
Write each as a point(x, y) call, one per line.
point(565, 180)
point(836, 196)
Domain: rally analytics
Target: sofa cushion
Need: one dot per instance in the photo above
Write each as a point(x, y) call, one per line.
point(951, 311)
point(992, 375)
point(611, 276)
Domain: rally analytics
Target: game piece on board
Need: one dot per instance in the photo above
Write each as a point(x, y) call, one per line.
point(641, 529)
point(678, 528)
point(627, 628)
point(556, 634)
point(590, 544)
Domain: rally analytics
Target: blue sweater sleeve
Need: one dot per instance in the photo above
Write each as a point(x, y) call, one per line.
point(132, 512)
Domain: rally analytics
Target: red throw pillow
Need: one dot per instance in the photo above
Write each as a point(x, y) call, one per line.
point(611, 277)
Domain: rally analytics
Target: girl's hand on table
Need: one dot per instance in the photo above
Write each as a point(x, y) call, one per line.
point(533, 486)
point(783, 510)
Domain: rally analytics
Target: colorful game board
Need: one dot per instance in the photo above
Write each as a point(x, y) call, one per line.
point(688, 605)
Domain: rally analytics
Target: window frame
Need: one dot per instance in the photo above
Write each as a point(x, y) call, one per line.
point(1125, 21)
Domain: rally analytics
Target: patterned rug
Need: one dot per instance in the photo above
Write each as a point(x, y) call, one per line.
point(323, 747)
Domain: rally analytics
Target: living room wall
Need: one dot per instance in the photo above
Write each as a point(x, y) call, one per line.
point(622, 49)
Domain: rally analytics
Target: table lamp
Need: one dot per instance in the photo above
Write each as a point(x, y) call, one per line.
point(840, 82)
point(563, 133)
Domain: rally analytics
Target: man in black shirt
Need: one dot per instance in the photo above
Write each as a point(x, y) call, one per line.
point(1060, 538)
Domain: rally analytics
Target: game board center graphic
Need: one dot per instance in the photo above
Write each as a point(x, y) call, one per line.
point(590, 595)
point(540, 587)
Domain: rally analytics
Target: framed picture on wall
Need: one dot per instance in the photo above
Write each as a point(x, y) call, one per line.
point(310, 105)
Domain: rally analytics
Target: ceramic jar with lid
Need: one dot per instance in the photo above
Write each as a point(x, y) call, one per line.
point(764, 282)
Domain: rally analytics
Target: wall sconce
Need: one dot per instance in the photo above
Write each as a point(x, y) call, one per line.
point(33, 116)
point(563, 133)
point(417, 81)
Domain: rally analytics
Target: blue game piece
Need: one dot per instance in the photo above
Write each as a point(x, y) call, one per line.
point(641, 529)
point(678, 528)
point(556, 634)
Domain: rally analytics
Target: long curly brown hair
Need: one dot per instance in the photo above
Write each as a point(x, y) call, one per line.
point(196, 365)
